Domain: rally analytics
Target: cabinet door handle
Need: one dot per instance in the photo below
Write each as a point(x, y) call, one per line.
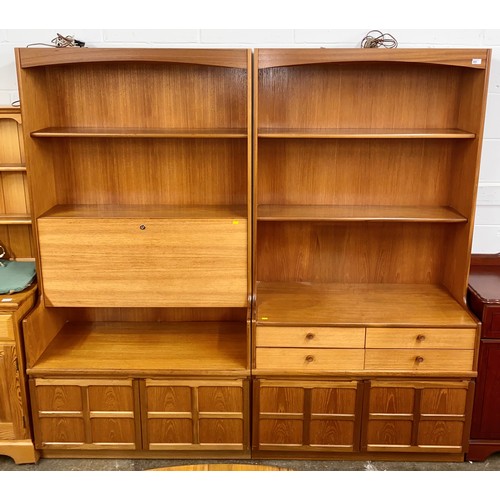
point(309, 359)
point(310, 336)
point(419, 359)
point(420, 338)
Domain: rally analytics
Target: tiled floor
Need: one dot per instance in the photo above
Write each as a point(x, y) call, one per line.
point(6, 464)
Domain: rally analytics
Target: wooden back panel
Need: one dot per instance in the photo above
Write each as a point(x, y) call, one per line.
point(142, 95)
point(351, 253)
point(364, 95)
point(355, 172)
point(147, 171)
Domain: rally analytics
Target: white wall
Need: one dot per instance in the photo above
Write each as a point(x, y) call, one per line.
point(487, 229)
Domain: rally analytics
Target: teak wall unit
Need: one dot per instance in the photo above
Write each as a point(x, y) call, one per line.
point(365, 175)
point(351, 241)
point(140, 167)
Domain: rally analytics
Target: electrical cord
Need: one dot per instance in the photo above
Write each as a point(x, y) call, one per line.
point(375, 39)
point(60, 42)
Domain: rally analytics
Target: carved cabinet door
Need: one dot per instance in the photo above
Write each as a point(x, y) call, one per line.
point(307, 415)
point(12, 421)
point(417, 416)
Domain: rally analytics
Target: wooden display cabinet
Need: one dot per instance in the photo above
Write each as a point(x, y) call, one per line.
point(15, 218)
point(139, 163)
point(15, 433)
point(483, 297)
point(365, 174)
point(15, 237)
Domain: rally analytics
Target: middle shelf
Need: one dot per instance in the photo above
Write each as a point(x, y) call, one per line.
point(364, 133)
point(358, 213)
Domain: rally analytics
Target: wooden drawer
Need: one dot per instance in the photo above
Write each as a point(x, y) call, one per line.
point(305, 336)
point(6, 327)
point(421, 338)
point(140, 262)
point(419, 359)
point(307, 360)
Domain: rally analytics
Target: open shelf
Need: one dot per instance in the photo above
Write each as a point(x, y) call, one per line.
point(358, 213)
point(364, 133)
point(140, 133)
point(370, 304)
point(14, 219)
point(146, 348)
point(149, 211)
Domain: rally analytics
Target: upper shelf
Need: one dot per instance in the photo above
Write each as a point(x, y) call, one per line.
point(230, 58)
point(358, 213)
point(140, 133)
point(469, 58)
point(363, 133)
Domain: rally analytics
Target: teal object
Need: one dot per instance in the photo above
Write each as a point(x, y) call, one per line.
point(16, 276)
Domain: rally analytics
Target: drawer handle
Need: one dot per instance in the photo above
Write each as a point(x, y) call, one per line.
point(310, 336)
point(419, 359)
point(142, 227)
point(309, 359)
point(420, 338)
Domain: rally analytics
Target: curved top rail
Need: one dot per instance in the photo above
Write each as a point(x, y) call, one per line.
point(11, 113)
point(34, 57)
point(468, 58)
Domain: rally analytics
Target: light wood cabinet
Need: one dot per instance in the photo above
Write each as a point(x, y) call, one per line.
point(365, 176)
point(15, 433)
point(141, 187)
point(16, 239)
